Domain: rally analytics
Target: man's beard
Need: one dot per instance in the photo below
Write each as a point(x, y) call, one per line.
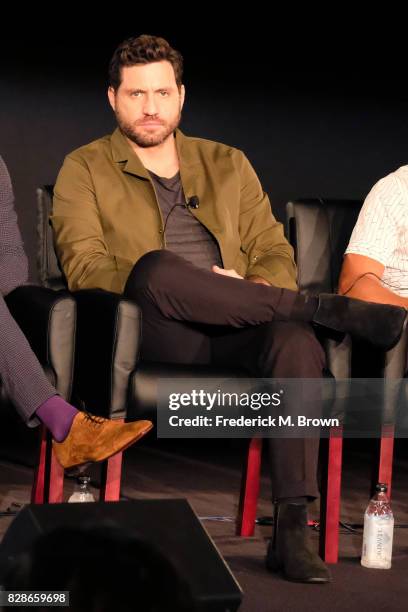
point(143, 138)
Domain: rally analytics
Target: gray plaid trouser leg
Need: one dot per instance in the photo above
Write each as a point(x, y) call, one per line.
point(20, 372)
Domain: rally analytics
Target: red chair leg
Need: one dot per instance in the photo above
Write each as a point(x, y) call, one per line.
point(386, 456)
point(38, 488)
point(111, 478)
point(330, 500)
point(48, 482)
point(250, 489)
point(56, 480)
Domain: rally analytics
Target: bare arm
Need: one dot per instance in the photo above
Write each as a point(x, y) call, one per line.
point(359, 278)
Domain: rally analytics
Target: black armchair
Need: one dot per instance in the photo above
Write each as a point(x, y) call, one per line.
point(110, 379)
point(319, 230)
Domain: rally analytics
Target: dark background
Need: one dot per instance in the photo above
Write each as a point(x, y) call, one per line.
point(319, 107)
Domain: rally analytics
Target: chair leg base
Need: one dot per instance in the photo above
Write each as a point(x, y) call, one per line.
point(386, 457)
point(48, 485)
point(250, 489)
point(330, 498)
point(111, 478)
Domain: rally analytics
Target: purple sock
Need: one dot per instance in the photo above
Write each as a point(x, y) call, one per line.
point(57, 415)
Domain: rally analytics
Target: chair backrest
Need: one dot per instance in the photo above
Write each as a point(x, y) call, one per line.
point(319, 230)
point(49, 271)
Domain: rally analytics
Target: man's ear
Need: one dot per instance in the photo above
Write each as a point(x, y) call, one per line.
point(112, 97)
point(182, 96)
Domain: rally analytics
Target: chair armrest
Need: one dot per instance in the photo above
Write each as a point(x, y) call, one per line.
point(338, 362)
point(395, 363)
point(338, 356)
point(108, 344)
point(395, 366)
point(47, 319)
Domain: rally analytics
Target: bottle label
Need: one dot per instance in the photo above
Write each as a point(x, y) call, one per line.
point(81, 497)
point(377, 542)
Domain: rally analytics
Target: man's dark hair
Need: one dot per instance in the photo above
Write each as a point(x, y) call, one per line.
point(144, 49)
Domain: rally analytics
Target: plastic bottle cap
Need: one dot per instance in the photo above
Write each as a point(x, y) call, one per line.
point(381, 486)
point(84, 479)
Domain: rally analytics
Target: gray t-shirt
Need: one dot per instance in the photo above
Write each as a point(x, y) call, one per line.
point(184, 233)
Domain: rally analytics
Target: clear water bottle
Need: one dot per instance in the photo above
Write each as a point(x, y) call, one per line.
point(82, 492)
point(378, 531)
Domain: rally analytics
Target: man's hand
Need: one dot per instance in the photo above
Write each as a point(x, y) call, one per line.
point(259, 280)
point(224, 272)
point(234, 274)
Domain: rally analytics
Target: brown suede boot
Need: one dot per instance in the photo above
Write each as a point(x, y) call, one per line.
point(290, 551)
point(380, 324)
point(93, 439)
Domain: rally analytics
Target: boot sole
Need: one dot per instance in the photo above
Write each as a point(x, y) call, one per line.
point(281, 572)
point(275, 567)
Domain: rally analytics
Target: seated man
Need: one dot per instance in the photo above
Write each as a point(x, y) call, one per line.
point(78, 437)
point(182, 226)
point(375, 266)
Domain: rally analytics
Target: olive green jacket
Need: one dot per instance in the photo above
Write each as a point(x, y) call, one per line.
point(106, 214)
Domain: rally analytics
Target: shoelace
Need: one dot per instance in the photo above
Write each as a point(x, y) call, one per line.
point(95, 420)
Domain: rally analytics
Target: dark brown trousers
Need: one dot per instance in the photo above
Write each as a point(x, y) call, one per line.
point(194, 316)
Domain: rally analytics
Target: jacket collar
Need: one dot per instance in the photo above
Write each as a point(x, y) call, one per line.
point(123, 153)
point(193, 177)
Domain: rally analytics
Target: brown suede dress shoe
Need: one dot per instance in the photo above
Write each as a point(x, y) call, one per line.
point(93, 439)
